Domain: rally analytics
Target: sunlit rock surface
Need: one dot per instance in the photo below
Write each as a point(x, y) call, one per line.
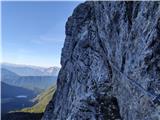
point(110, 63)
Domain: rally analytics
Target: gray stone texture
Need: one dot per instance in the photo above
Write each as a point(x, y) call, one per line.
point(110, 63)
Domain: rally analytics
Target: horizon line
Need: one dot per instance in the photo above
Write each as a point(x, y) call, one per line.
point(33, 65)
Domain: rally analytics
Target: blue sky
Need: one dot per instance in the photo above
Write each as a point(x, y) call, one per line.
point(33, 33)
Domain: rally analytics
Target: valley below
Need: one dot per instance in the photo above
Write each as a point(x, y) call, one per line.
point(25, 96)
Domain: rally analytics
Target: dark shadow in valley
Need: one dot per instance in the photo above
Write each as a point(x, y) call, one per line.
point(21, 116)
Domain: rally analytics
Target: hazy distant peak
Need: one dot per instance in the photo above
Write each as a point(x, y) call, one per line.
point(30, 70)
point(24, 65)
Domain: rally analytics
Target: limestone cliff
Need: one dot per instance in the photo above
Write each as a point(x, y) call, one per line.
point(110, 63)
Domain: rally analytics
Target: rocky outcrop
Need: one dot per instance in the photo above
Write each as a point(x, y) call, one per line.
point(110, 63)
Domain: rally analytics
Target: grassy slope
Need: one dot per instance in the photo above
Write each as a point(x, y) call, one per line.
point(42, 101)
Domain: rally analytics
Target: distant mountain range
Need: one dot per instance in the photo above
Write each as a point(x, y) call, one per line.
point(28, 70)
point(30, 77)
point(21, 83)
point(29, 82)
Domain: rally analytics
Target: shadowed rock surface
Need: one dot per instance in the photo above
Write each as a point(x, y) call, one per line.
point(110, 63)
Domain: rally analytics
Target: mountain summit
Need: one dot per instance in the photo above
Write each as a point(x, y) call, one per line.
point(110, 63)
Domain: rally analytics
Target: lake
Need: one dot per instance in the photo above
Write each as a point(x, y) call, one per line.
point(21, 96)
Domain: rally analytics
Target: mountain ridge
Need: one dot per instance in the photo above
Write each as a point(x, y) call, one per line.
point(29, 82)
point(30, 70)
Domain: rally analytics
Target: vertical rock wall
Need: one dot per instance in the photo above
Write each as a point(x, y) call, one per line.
point(110, 63)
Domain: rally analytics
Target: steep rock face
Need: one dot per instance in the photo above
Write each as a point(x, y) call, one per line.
point(110, 63)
